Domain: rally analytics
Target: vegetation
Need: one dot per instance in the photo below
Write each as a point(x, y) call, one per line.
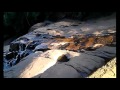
point(18, 23)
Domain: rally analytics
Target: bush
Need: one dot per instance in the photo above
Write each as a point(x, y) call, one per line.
point(20, 22)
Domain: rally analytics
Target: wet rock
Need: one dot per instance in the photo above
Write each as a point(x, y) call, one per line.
point(58, 45)
point(22, 46)
point(14, 47)
point(25, 53)
point(31, 66)
point(38, 35)
point(36, 63)
point(62, 47)
point(73, 47)
point(18, 58)
point(32, 45)
point(11, 55)
point(22, 38)
point(58, 36)
point(41, 46)
point(47, 36)
point(6, 48)
point(11, 64)
point(63, 58)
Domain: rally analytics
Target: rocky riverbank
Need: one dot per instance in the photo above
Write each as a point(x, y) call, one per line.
point(64, 49)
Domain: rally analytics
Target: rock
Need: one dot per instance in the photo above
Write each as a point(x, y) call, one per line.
point(59, 36)
point(58, 45)
point(85, 63)
point(22, 39)
point(18, 58)
point(38, 25)
point(47, 36)
point(77, 67)
point(63, 58)
point(19, 44)
point(63, 35)
point(26, 53)
point(55, 54)
point(60, 71)
point(6, 48)
point(32, 45)
point(11, 55)
point(72, 47)
point(14, 47)
point(36, 63)
point(106, 71)
point(105, 52)
point(41, 46)
point(22, 47)
point(31, 66)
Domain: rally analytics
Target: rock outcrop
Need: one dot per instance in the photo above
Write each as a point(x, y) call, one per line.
point(37, 63)
point(59, 50)
point(80, 66)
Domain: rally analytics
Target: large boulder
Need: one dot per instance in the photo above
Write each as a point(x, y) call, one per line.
point(82, 65)
point(60, 71)
point(36, 63)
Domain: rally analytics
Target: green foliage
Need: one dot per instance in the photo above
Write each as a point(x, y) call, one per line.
point(20, 22)
point(11, 17)
point(32, 16)
point(8, 17)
